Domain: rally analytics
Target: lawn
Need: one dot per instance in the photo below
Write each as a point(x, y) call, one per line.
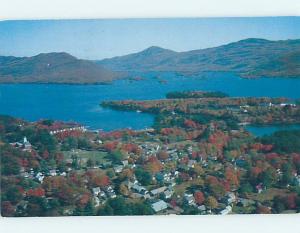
point(181, 188)
point(97, 156)
point(267, 195)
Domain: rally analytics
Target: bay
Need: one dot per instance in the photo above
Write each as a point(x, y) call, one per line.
point(81, 103)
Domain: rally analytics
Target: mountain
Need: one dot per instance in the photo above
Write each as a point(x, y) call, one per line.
point(145, 60)
point(53, 68)
point(249, 58)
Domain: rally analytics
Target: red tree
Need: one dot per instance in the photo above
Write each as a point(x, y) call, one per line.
point(199, 197)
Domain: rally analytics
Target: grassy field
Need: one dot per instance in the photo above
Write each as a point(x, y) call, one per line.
point(97, 156)
point(268, 194)
point(181, 188)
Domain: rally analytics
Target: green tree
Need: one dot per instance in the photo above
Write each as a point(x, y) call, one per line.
point(117, 156)
point(268, 177)
point(143, 176)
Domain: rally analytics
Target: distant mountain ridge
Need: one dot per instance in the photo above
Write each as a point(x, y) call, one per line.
point(251, 57)
point(248, 58)
point(53, 68)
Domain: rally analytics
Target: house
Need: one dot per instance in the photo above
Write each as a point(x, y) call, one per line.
point(159, 206)
point(139, 188)
point(158, 191)
point(118, 168)
point(110, 192)
point(191, 163)
point(168, 194)
point(96, 191)
point(226, 211)
point(63, 173)
point(259, 188)
point(125, 163)
point(230, 198)
point(96, 201)
point(26, 145)
point(245, 202)
point(52, 172)
point(25, 174)
point(201, 207)
point(40, 177)
point(106, 164)
point(189, 199)
point(166, 177)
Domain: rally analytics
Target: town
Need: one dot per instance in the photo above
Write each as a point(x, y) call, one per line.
point(197, 159)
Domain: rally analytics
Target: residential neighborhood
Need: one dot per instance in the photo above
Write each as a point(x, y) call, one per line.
point(194, 161)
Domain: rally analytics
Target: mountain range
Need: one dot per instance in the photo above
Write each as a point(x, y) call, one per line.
point(53, 68)
point(248, 58)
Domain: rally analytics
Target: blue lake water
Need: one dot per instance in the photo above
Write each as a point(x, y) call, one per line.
point(80, 103)
point(269, 129)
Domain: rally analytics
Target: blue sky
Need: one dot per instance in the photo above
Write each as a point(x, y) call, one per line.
point(97, 39)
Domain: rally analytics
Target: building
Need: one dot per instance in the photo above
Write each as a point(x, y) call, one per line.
point(231, 198)
point(191, 163)
point(118, 168)
point(168, 194)
point(40, 177)
point(96, 191)
point(158, 191)
point(202, 208)
point(189, 199)
point(226, 211)
point(26, 144)
point(159, 206)
point(138, 188)
point(52, 172)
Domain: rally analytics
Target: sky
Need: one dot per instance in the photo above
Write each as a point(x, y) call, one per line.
point(105, 38)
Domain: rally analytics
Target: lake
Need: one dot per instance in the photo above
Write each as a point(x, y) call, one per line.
point(80, 103)
point(269, 129)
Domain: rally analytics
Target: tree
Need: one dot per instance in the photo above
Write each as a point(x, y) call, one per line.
point(153, 165)
point(83, 143)
point(268, 177)
point(13, 194)
point(198, 170)
point(284, 141)
point(38, 192)
point(217, 190)
point(232, 177)
point(278, 204)
point(211, 202)
point(199, 197)
point(7, 209)
point(287, 176)
point(162, 155)
point(263, 210)
point(123, 190)
point(143, 176)
point(90, 163)
point(246, 188)
point(117, 156)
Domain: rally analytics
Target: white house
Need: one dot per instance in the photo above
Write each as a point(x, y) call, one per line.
point(52, 172)
point(226, 211)
point(118, 168)
point(96, 191)
point(159, 206)
point(189, 199)
point(158, 191)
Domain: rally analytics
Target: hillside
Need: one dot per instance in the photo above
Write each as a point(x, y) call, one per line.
point(248, 58)
point(53, 68)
